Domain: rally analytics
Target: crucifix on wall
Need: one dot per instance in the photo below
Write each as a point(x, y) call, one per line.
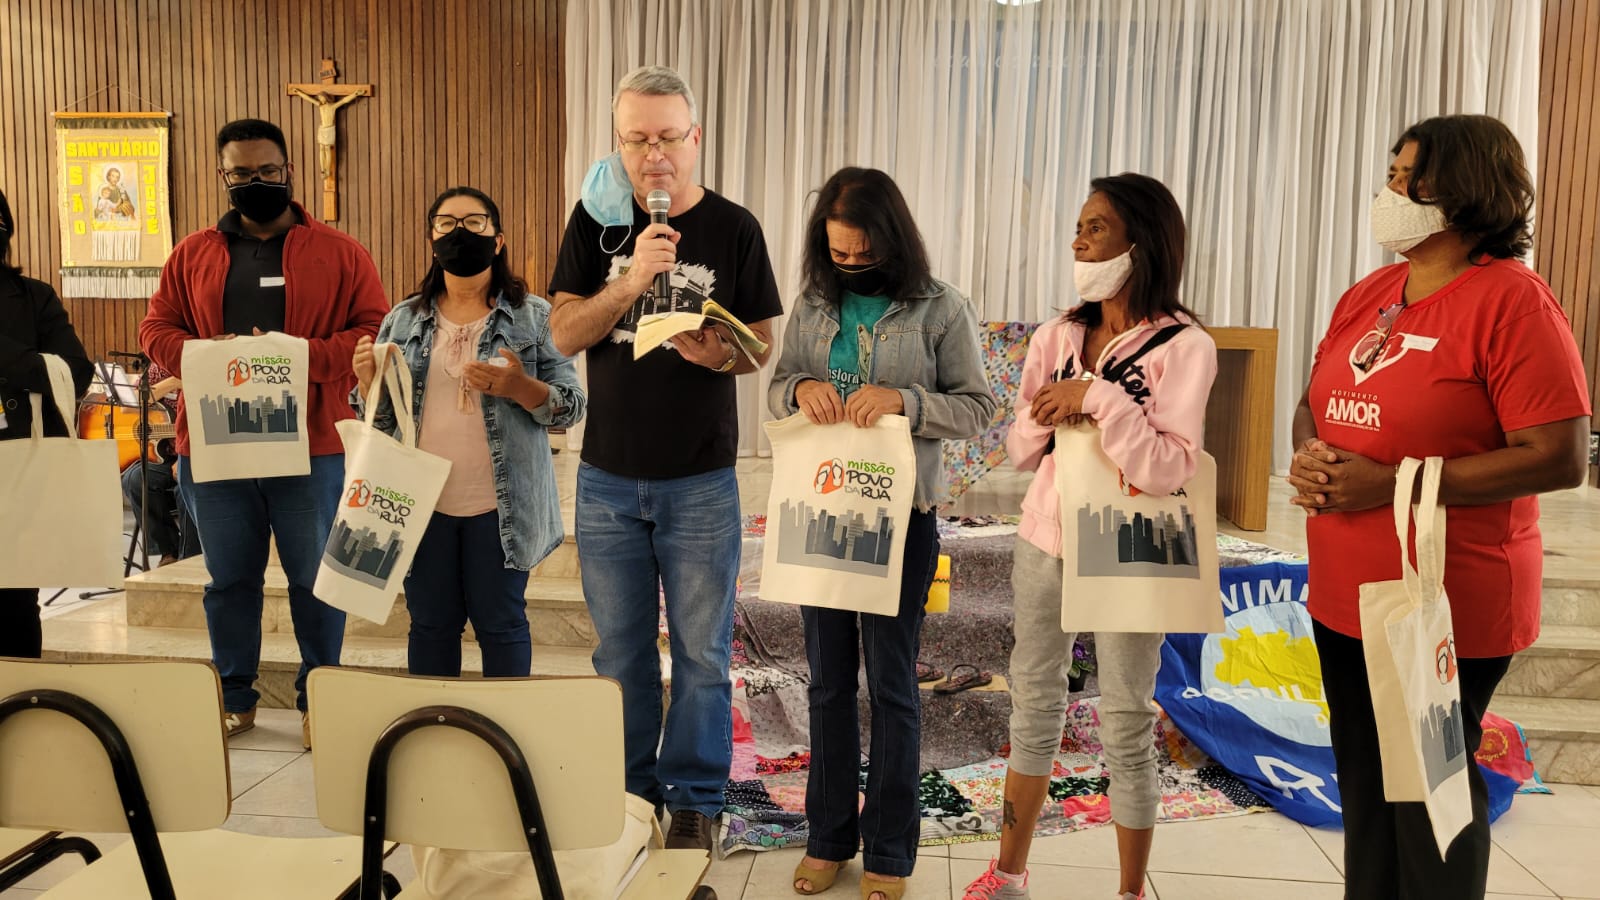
point(328, 96)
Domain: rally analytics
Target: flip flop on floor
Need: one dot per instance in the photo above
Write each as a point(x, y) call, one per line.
point(928, 672)
point(957, 682)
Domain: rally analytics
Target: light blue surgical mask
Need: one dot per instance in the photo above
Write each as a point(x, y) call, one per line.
point(608, 198)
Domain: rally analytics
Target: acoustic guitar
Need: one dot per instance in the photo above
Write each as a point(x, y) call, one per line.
point(99, 420)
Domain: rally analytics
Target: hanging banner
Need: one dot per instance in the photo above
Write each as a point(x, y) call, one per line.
point(116, 218)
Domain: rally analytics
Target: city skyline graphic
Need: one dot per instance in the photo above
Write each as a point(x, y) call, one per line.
point(1114, 544)
point(821, 539)
point(235, 420)
point(357, 553)
point(1444, 745)
point(691, 285)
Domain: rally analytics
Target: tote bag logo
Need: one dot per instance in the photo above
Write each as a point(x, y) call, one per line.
point(391, 506)
point(866, 479)
point(259, 369)
point(360, 493)
point(830, 476)
point(1445, 659)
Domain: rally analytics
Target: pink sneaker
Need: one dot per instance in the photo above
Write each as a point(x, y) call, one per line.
point(991, 885)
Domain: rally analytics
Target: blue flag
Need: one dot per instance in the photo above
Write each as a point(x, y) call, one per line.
point(1251, 697)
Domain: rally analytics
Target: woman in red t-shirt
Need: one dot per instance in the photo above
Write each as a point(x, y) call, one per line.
point(1459, 351)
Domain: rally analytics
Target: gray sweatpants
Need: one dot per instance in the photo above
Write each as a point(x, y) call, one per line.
point(1126, 664)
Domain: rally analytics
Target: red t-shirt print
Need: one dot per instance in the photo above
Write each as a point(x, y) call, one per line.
point(1489, 353)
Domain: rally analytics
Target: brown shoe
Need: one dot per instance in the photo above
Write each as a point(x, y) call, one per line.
point(815, 881)
point(239, 722)
point(692, 831)
point(889, 890)
point(305, 730)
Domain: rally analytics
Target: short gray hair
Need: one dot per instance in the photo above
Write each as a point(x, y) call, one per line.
point(657, 81)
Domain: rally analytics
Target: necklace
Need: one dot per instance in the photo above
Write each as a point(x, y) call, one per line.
point(460, 347)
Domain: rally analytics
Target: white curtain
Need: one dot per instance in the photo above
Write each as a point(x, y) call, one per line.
point(1270, 120)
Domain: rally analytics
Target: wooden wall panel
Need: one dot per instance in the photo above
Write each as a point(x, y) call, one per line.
point(1568, 242)
point(466, 92)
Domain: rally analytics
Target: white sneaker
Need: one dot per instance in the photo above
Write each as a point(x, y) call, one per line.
point(991, 885)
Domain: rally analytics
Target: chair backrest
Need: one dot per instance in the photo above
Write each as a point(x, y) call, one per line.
point(447, 788)
point(55, 774)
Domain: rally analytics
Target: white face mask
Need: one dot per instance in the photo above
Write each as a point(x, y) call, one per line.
point(1100, 281)
point(1400, 223)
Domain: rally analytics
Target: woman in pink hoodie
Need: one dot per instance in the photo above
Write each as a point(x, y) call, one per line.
point(1132, 360)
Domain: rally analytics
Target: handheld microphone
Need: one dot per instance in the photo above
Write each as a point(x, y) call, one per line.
point(658, 202)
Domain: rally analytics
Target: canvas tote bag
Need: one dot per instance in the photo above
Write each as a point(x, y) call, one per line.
point(838, 512)
point(1409, 642)
point(245, 406)
point(390, 490)
point(64, 498)
point(1132, 561)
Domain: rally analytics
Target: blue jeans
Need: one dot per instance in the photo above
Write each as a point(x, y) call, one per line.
point(235, 519)
point(638, 538)
point(889, 823)
point(459, 573)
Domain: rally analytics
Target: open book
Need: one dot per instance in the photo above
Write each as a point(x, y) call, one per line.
point(655, 330)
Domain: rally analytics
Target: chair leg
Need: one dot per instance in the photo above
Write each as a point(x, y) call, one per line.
point(45, 855)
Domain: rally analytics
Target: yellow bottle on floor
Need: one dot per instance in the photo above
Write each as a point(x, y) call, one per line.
point(939, 592)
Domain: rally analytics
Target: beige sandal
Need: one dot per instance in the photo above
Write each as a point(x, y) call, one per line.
point(889, 890)
point(820, 879)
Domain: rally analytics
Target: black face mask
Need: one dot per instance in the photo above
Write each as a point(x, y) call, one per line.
point(868, 281)
point(260, 201)
point(464, 254)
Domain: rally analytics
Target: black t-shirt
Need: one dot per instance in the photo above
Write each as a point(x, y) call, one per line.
point(254, 295)
point(661, 416)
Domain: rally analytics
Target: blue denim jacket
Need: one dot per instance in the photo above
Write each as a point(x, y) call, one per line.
point(525, 482)
point(926, 346)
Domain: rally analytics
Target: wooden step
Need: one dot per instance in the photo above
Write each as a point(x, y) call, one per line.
point(557, 613)
point(1563, 663)
point(99, 632)
point(1570, 600)
point(171, 597)
point(1563, 733)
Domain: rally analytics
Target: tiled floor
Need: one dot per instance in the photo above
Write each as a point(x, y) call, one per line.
point(1544, 847)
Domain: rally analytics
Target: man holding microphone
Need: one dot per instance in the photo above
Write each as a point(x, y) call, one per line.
point(658, 503)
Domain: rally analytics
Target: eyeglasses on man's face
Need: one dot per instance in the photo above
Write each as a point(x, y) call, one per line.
point(666, 144)
point(477, 223)
point(269, 174)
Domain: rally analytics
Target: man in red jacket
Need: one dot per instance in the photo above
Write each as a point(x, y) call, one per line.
point(267, 265)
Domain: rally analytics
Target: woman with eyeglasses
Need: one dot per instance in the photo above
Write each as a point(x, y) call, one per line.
point(489, 384)
point(32, 322)
point(1460, 351)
